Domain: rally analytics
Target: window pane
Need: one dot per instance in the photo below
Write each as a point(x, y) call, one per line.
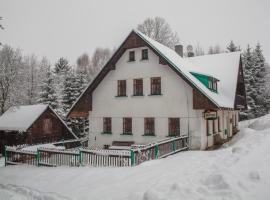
point(138, 86)
point(132, 56)
point(145, 54)
point(127, 125)
point(149, 126)
point(121, 88)
point(174, 127)
point(107, 126)
point(155, 85)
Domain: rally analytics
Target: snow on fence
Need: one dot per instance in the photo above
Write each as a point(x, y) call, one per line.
point(159, 150)
point(96, 157)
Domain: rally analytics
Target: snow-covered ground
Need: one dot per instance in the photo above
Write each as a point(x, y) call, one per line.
point(239, 170)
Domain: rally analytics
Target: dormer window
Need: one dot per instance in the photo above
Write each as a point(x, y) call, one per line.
point(209, 81)
point(145, 54)
point(131, 56)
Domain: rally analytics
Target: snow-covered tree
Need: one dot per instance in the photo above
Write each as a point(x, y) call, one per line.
point(47, 94)
point(232, 47)
point(10, 62)
point(71, 90)
point(255, 81)
point(158, 29)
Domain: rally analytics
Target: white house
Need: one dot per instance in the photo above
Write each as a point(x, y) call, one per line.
point(147, 92)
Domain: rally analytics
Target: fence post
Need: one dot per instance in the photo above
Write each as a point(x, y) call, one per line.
point(156, 151)
point(5, 153)
point(38, 157)
point(81, 157)
point(132, 157)
point(173, 145)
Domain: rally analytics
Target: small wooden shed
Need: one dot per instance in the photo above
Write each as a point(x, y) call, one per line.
point(32, 124)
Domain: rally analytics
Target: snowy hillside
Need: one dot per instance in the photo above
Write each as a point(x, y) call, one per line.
point(240, 170)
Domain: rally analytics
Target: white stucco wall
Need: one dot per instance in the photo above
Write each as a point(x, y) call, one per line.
point(176, 101)
point(172, 103)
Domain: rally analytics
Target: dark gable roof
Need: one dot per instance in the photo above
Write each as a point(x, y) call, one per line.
point(136, 39)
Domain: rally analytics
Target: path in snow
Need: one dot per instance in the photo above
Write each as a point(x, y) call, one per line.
point(13, 192)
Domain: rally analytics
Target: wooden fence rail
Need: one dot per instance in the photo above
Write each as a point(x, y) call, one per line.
point(96, 158)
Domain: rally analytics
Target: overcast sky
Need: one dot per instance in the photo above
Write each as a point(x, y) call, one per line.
point(68, 28)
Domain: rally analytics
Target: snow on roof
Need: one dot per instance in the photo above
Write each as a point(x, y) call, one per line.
point(224, 67)
point(20, 118)
point(227, 64)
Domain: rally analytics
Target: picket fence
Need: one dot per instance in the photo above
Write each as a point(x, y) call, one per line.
point(96, 157)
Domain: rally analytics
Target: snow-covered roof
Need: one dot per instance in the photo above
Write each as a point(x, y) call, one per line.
point(222, 66)
point(20, 118)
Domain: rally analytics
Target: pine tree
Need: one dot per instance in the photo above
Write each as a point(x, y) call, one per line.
point(232, 47)
point(259, 73)
point(70, 91)
point(255, 81)
point(249, 81)
point(47, 94)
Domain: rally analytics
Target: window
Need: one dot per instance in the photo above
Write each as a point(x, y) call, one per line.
point(215, 85)
point(207, 128)
point(121, 91)
point(210, 83)
point(138, 87)
point(156, 86)
point(149, 126)
point(107, 125)
point(145, 54)
point(174, 127)
point(127, 125)
point(214, 126)
point(219, 128)
point(131, 56)
point(47, 125)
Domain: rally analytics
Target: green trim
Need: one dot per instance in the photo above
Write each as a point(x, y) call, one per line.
point(158, 94)
point(106, 133)
point(80, 158)
point(153, 135)
point(173, 145)
point(121, 96)
point(126, 134)
point(175, 67)
point(132, 157)
point(38, 157)
point(137, 95)
point(156, 151)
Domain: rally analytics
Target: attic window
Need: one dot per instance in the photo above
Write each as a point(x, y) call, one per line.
point(212, 84)
point(145, 54)
point(131, 56)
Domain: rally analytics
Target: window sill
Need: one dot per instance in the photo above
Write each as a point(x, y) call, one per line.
point(130, 61)
point(121, 96)
point(126, 134)
point(153, 135)
point(137, 95)
point(145, 59)
point(172, 135)
point(155, 94)
point(106, 133)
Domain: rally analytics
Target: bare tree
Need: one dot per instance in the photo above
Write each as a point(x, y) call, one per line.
point(10, 61)
point(83, 63)
point(1, 26)
point(159, 30)
point(99, 59)
point(31, 74)
point(199, 51)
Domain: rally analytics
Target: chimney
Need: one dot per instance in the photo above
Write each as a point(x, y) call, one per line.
point(179, 49)
point(190, 52)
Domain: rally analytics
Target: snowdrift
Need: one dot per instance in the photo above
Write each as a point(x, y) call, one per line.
point(239, 170)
